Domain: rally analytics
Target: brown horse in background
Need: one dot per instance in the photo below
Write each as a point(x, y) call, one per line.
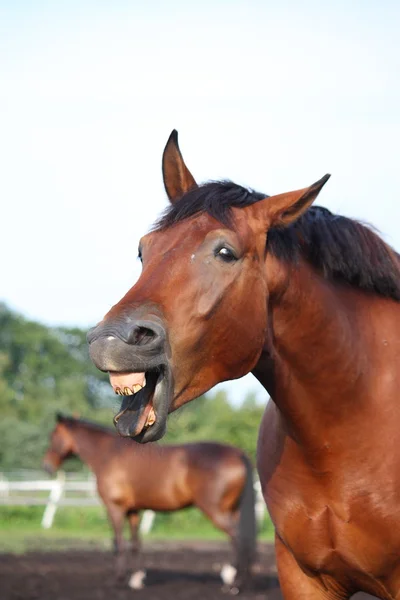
point(216, 478)
point(234, 281)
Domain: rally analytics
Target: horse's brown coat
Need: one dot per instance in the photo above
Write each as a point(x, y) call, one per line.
point(326, 348)
point(132, 477)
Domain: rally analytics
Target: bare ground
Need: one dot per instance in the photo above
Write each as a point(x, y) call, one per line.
point(175, 571)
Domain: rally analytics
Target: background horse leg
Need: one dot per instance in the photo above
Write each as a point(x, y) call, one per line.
point(136, 581)
point(117, 515)
point(297, 585)
point(234, 513)
point(226, 521)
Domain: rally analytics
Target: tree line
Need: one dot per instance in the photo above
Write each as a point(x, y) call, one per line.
point(45, 370)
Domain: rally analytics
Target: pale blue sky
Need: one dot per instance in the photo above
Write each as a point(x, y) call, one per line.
point(269, 94)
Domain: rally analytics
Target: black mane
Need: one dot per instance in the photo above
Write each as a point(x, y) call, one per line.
point(341, 249)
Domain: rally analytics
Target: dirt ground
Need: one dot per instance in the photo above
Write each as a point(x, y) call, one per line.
point(174, 572)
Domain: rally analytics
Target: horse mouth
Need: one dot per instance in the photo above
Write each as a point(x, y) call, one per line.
point(145, 403)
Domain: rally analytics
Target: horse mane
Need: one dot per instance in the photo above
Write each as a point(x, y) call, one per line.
point(92, 425)
point(341, 249)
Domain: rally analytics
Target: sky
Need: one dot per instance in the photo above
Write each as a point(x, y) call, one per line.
point(272, 95)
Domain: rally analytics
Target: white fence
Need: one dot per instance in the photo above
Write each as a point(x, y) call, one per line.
point(67, 489)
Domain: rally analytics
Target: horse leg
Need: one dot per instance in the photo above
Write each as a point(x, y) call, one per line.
point(136, 581)
point(227, 522)
point(117, 515)
point(297, 585)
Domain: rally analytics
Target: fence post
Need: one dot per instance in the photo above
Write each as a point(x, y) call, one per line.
point(4, 486)
point(146, 522)
point(54, 498)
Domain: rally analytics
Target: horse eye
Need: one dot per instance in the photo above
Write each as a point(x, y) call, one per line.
point(226, 255)
point(140, 255)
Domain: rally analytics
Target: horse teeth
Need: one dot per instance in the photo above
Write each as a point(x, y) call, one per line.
point(128, 392)
point(151, 419)
point(118, 391)
point(136, 388)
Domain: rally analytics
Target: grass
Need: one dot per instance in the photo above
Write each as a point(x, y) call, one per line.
point(20, 529)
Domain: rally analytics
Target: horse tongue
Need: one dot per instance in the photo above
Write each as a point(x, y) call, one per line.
point(133, 415)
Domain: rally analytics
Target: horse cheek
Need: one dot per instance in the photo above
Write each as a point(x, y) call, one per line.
point(216, 286)
point(209, 301)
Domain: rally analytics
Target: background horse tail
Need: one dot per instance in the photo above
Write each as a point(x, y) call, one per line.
point(247, 530)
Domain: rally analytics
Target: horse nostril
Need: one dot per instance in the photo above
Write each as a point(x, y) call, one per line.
point(140, 336)
point(147, 333)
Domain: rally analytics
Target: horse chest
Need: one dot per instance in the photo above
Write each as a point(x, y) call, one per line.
point(315, 536)
point(342, 521)
point(325, 538)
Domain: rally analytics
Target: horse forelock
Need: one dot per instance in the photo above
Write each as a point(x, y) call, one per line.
point(217, 198)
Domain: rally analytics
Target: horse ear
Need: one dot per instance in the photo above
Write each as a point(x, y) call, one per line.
point(285, 209)
point(59, 417)
point(177, 178)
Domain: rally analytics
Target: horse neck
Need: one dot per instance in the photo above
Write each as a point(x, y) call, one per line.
point(88, 444)
point(314, 357)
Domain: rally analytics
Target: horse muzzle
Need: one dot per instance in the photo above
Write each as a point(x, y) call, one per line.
point(135, 354)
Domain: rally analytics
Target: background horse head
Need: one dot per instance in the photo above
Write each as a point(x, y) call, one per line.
point(62, 445)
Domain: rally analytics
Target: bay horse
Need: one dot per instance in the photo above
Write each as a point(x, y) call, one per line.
point(234, 281)
point(216, 478)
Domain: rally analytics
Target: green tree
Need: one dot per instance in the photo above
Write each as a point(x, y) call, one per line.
point(43, 370)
